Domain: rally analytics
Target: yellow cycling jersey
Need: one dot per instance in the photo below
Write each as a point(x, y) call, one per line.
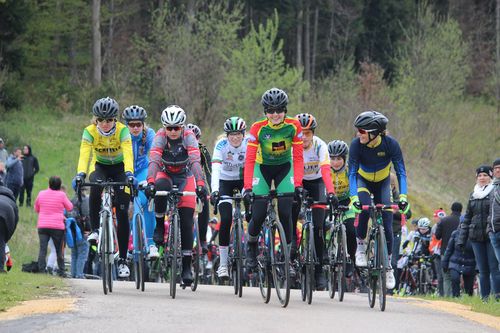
point(341, 182)
point(108, 150)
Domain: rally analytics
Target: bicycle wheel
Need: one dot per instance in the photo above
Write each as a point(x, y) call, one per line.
point(280, 263)
point(238, 258)
point(263, 268)
point(139, 269)
point(310, 265)
point(174, 252)
point(302, 251)
point(104, 251)
point(382, 264)
point(341, 263)
point(332, 253)
point(372, 278)
point(196, 257)
point(404, 282)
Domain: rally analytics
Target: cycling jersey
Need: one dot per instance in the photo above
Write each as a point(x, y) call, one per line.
point(107, 150)
point(270, 144)
point(340, 181)
point(227, 162)
point(141, 145)
point(175, 156)
point(206, 164)
point(317, 163)
point(374, 163)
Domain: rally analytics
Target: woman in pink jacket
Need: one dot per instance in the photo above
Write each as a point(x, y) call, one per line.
point(50, 205)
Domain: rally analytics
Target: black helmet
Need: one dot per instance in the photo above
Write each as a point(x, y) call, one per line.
point(105, 108)
point(195, 129)
point(134, 112)
point(371, 121)
point(274, 98)
point(338, 148)
point(307, 121)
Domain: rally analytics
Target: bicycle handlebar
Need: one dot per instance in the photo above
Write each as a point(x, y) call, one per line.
point(380, 207)
point(237, 197)
point(101, 184)
point(166, 193)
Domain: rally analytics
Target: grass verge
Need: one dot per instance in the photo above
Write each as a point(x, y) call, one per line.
point(475, 303)
point(17, 286)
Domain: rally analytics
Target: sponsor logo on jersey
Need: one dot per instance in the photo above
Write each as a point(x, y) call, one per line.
point(381, 154)
point(279, 146)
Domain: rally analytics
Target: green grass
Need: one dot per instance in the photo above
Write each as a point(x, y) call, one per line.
point(492, 307)
point(17, 286)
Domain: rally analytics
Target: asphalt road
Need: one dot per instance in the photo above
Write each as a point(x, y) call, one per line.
point(216, 309)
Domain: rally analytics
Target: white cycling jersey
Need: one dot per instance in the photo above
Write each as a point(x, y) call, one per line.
point(227, 161)
point(314, 157)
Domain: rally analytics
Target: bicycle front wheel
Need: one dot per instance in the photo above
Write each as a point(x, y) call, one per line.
point(139, 263)
point(332, 254)
point(341, 263)
point(310, 265)
point(238, 258)
point(104, 251)
point(280, 263)
point(382, 264)
point(196, 257)
point(372, 277)
point(173, 249)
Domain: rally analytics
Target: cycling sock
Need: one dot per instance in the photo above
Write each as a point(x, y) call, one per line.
point(223, 255)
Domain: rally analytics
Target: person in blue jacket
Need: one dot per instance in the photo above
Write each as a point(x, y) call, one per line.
point(370, 156)
point(142, 140)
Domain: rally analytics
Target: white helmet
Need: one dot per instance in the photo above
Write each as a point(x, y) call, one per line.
point(424, 222)
point(173, 115)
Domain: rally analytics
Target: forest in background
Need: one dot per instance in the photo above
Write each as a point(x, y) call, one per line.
point(430, 66)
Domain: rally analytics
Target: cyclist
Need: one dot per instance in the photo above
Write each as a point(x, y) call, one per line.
point(227, 165)
point(204, 215)
point(338, 151)
point(420, 238)
point(109, 143)
point(370, 157)
point(142, 140)
point(318, 182)
point(175, 160)
point(271, 142)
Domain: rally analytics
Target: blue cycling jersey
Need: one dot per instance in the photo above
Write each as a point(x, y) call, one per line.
point(141, 150)
point(374, 163)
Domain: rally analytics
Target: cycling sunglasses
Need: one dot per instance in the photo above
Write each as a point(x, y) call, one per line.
point(108, 120)
point(173, 128)
point(135, 125)
point(274, 111)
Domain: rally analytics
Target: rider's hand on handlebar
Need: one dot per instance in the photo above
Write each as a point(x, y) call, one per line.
point(355, 204)
point(79, 178)
point(131, 179)
point(150, 190)
point(214, 198)
point(403, 204)
point(201, 192)
point(333, 201)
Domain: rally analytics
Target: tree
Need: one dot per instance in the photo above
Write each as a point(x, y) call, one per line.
point(96, 43)
point(258, 65)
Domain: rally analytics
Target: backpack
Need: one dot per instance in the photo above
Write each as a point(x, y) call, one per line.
point(32, 267)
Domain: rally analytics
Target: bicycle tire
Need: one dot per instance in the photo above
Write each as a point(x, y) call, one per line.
point(341, 267)
point(371, 280)
point(263, 268)
point(310, 265)
point(104, 251)
point(281, 274)
point(331, 250)
point(238, 285)
point(196, 257)
point(382, 263)
point(174, 252)
point(403, 282)
point(301, 263)
point(141, 246)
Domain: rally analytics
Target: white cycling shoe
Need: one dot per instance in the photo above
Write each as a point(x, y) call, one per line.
point(153, 252)
point(223, 272)
point(94, 236)
point(123, 270)
point(390, 281)
point(361, 254)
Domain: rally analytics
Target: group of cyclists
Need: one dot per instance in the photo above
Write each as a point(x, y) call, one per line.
point(278, 152)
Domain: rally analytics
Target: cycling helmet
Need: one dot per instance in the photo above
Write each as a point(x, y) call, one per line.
point(196, 130)
point(134, 112)
point(105, 108)
point(338, 148)
point(274, 98)
point(234, 124)
point(307, 121)
point(371, 121)
point(173, 115)
point(424, 222)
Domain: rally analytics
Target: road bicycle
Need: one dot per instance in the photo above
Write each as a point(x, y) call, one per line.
point(273, 260)
point(106, 245)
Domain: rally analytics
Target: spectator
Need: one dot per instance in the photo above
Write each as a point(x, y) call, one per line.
point(78, 226)
point(435, 248)
point(14, 178)
point(459, 262)
point(444, 229)
point(30, 169)
point(8, 220)
point(3, 172)
point(473, 228)
point(3, 152)
point(50, 205)
point(494, 216)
